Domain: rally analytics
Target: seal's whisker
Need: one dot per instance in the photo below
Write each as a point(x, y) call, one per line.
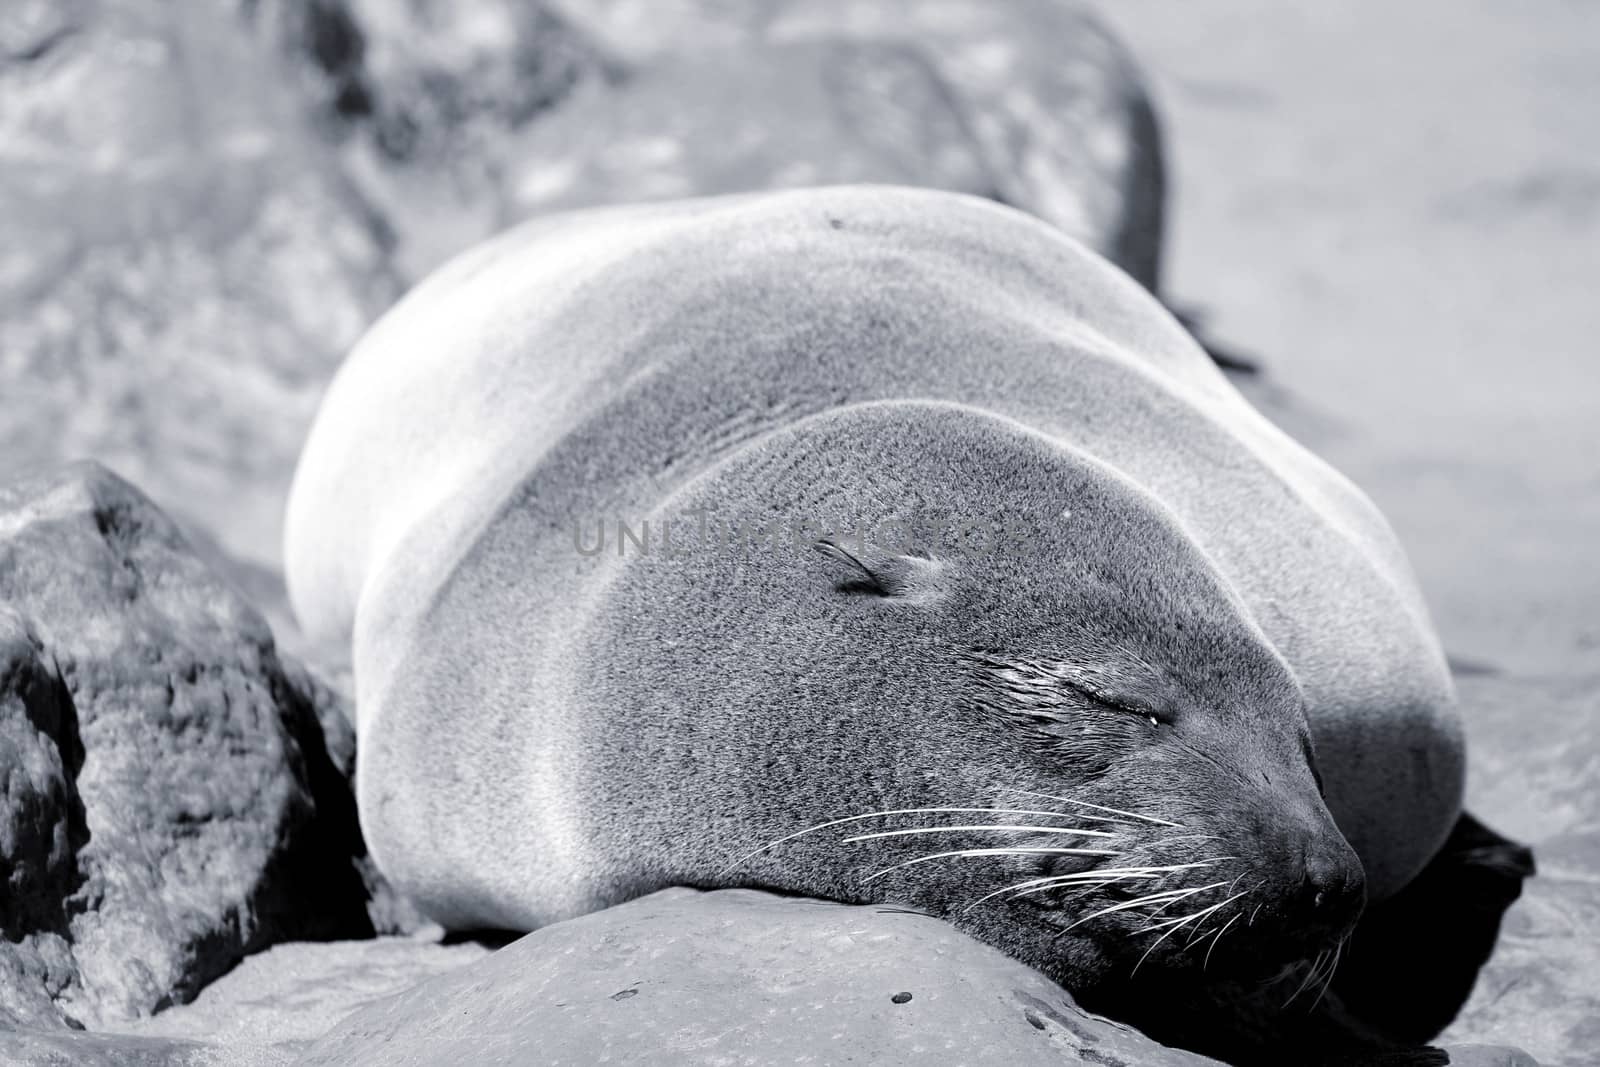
point(1174, 867)
point(1087, 884)
point(1178, 924)
point(1162, 938)
point(1044, 885)
point(1025, 887)
point(1089, 879)
point(962, 829)
point(1198, 934)
point(965, 852)
point(1323, 959)
point(1098, 874)
point(893, 811)
point(1168, 904)
point(1338, 951)
point(1171, 896)
point(1143, 872)
point(1217, 941)
point(1157, 911)
point(1316, 966)
point(1259, 904)
point(1096, 807)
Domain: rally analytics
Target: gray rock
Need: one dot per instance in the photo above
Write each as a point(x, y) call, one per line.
point(461, 118)
point(1536, 765)
point(1489, 1056)
point(424, 98)
point(1056, 106)
point(41, 824)
point(290, 995)
point(747, 117)
point(263, 1013)
point(738, 976)
point(184, 263)
point(33, 1048)
point(170, 802)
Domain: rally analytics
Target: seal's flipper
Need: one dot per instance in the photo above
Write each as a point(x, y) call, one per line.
point(1413, 958)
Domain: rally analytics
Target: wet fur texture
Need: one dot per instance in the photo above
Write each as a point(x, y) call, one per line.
point(1193, 617)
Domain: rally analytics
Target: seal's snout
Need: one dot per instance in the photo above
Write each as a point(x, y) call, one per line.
point(1323, 887)
point(1333, 891)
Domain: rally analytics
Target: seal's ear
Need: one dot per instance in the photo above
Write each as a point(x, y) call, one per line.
point(873, 572)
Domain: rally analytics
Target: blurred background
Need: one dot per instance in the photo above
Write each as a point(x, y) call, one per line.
point(1396, 208)
point(1392, 210)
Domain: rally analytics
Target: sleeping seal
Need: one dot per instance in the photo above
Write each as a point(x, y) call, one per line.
point(866, 543)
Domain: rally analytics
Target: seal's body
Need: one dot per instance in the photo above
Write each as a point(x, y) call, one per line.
point(1181, 592)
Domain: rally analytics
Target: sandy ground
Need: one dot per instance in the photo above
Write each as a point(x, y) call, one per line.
point(1396, 207)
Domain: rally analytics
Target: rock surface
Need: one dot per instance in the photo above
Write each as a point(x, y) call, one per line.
point(263, 1013)
point(170, 802)
point(751, 116)
point(290, 995)
point(1538, 769)
point(738, 976)
point(184, 266)
point(1054, 104)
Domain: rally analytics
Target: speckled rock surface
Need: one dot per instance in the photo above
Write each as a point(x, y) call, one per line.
point(738, 976)
point(1538, 767)
point(1052, 100)
point(183, 267)
point(751, 116)
point(34, 1048)
point(263, 1013)
point(170, 801)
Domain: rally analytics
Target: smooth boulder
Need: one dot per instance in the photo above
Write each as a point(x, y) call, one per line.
point(1055, 105)
point(739, 976)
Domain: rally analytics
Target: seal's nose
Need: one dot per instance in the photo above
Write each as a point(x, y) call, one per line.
point(1334, 889)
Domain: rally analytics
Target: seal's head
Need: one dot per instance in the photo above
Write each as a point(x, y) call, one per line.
point(1030, 704)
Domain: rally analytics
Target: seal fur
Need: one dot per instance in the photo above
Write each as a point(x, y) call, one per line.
point(1198, 603)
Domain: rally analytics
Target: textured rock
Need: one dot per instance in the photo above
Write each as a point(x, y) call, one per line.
point(738, 976)
point(184, 265)
point(290, 995)
point(31, 1048)
point(1054, 103)
point(426, 95)
point(1536, 765)
point(745, 117)
point(1489, 1056)
point(170, 801)
point(41, 823)
point(263, 1013)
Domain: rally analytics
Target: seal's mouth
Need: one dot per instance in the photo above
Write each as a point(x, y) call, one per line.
point(1088, 880)
point(1232, 903)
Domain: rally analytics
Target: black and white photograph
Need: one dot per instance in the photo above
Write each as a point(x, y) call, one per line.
point(827, 532)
